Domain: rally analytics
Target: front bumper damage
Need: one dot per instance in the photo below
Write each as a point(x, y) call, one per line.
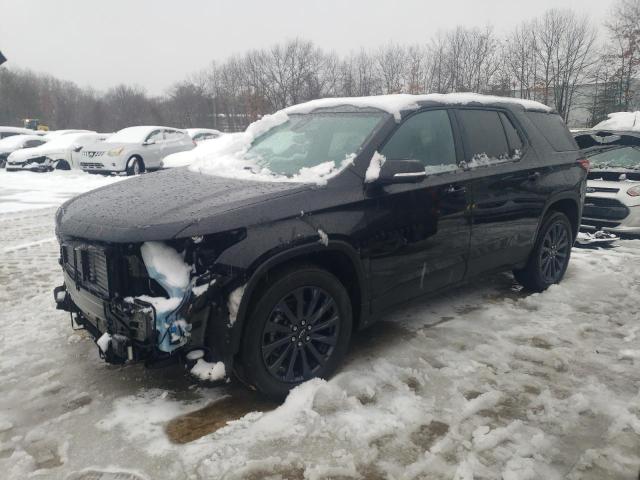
point(128, 330)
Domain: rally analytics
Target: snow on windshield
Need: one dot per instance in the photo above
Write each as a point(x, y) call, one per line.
point(623, 121)
point(265, 153)
point(131, 135)
point(66, 141)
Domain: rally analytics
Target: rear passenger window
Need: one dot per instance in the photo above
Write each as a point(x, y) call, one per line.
point(513, 136)
point(554, 130)
point(427, 137)
point(484, 137)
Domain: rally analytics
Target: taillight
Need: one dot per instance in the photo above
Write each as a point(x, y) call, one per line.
point(584, 163)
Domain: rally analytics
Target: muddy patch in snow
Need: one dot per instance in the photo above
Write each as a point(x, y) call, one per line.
point(193, 425)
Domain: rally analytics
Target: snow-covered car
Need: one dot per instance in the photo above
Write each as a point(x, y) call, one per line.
point(56, 154)
point(10, 144)
point(134, 150)
point(10, 131)
point(50, 135)
point(264, 255)
point(200, 134)
point(203, 149)
point(612, 201)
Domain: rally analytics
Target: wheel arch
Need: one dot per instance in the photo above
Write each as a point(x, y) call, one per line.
point(338, 258)
point(570, 205)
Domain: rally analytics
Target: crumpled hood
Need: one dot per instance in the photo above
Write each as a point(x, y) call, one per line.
point(25, 154)
point(158, 206)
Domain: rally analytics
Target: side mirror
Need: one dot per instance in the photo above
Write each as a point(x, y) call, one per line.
point(401, 171)
point(148, 142)
point(77, 148)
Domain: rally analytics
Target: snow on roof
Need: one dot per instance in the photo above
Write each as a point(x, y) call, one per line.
point(132, 134)
point(17, 140)
point(395, 104)
point(195, 131)
point(621, 121)
point(24, 131)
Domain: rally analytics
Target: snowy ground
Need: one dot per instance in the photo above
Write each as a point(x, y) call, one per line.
point(484, 382)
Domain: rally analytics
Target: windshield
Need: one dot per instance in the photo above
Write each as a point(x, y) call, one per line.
point(130, 135)
point(306, 141)
point(623, 157)
point(15, 141)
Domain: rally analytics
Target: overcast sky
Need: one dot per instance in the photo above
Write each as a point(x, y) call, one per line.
point(154, 43)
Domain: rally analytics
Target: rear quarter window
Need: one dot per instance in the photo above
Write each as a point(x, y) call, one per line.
point(553, 128)
point(484, 134)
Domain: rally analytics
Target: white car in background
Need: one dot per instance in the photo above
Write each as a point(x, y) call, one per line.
point(134, 150)
point(11, 131)
point(612, 201)
point(56, 154)
point(10, 144)
point(50, 135)
point(200, 134)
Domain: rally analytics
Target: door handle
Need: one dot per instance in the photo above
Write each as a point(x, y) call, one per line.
point(455, 189)
point(533, 176)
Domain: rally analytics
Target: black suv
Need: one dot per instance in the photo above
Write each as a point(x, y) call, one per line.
point(275, 275)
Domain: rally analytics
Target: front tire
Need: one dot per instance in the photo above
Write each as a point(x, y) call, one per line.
point(549, 259)
point(135, 166)
point(62, 165)
point(299, 328)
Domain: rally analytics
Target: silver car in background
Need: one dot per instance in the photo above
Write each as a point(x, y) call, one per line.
point(134, 150)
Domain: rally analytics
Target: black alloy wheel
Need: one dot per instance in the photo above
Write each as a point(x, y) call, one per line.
point(298, 327)
point(300, 334)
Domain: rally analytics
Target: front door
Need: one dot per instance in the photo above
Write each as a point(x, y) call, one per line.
point(421, 231)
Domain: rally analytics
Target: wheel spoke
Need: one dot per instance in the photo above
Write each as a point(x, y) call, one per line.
point(306, 370)
point(269, 348)
point(327, 323)
point(315, 296)
point(292, 362)
point(276, 365)
point(324, 307)
point(329, 340)
point(284, 308)
point(274, 327)
point(318, 356)
point(299, 296)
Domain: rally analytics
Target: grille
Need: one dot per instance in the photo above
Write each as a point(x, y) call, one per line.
point(604, 208)
point(91, 165)
point(90, 154)
point(88, 266)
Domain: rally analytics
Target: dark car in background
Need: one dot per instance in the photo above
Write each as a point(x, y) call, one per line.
point(612, 202)
point(270, 278)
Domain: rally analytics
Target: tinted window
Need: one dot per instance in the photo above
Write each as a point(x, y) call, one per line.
point(554, 130)
point(7, 134)
point(484, 134)
point(513, 136)
point(33, 143)
point(425, 136)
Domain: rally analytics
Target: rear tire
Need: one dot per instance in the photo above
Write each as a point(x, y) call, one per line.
point(550, 256)
point(299, 328)
point(135, 166)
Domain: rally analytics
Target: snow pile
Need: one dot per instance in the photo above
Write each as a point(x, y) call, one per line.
point(623, 121)
point(207, 371)
point(233, 303)
point(397, 103)
point(375, 166)
point(167, 267)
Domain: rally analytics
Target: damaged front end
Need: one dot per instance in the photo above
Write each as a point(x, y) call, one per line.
point(155, 302)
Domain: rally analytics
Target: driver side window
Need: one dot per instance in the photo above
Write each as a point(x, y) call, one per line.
point(157, 136)
point(426, 137)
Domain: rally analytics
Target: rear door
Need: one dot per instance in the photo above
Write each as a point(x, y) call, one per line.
point(421, 230)
point(508, 199)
